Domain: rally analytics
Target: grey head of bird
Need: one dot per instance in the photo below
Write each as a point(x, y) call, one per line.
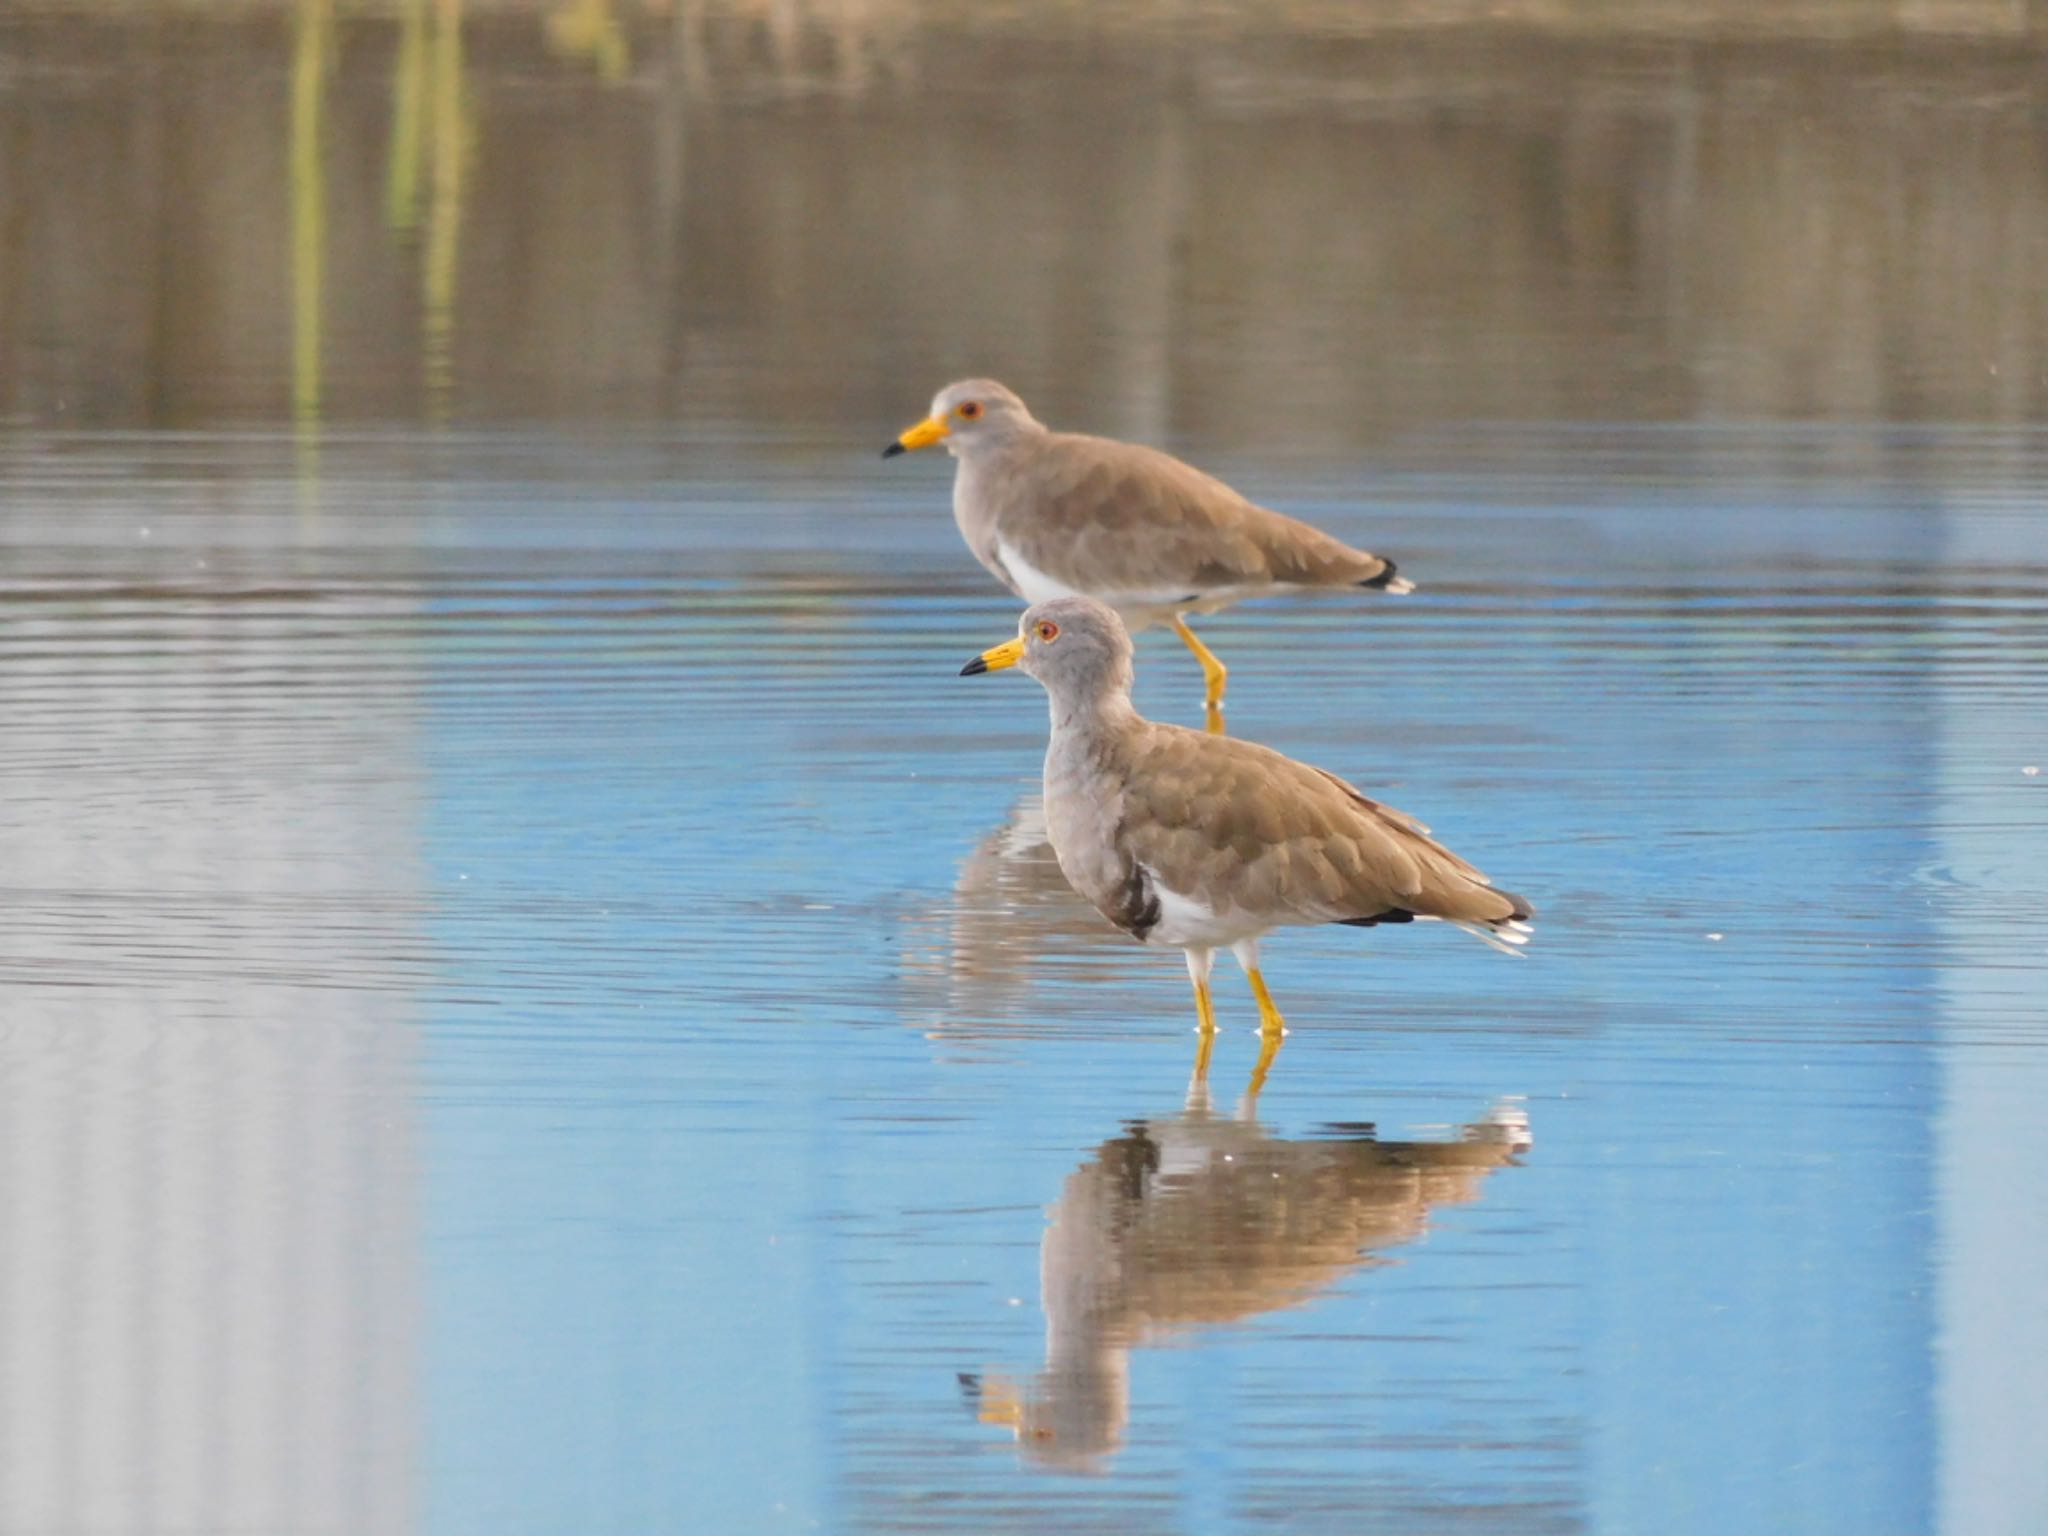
point(1068, 1418)
point(969, 417)
point(1076, 647)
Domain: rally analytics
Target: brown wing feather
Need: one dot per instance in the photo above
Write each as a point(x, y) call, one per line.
point(1108, 517)
point(1237, 824)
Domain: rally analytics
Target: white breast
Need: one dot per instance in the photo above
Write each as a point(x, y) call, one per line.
point(1188, 920)
point(1033, 585)
point(1140, 610)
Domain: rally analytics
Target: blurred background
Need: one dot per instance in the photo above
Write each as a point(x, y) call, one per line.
point(1324, 223)
point(533, 1000)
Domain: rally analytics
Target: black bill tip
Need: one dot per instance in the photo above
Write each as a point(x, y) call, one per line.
point(893, 449)
point(974, 667)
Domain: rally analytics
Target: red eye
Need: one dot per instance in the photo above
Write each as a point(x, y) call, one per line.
point(1048, 631)
point(970, 411)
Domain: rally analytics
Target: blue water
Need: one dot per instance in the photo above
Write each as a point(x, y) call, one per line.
point(532, 984)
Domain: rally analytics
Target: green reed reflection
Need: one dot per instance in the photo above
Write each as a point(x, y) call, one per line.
point(448, 150)
point(311, 57)
point(590, 29)
point(408, 119)
point(1217, 222)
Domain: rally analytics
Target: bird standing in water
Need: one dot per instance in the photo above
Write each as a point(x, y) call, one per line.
point(1059, 514)
point(1205, 842)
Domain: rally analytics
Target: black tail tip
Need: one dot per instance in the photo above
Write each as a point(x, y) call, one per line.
point(1382, 581)
point(1524, 910)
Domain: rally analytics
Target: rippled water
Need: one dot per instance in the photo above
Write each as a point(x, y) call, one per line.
point(533, 998)
point(533, 1001)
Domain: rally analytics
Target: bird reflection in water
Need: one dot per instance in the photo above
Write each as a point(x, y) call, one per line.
point(1198, 1220)
point(973, 956)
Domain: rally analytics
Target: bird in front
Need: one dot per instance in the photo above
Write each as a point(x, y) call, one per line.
point(1059, 514)
point(1205, 842)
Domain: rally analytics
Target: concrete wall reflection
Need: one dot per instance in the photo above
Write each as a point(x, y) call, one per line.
point(208, 1158)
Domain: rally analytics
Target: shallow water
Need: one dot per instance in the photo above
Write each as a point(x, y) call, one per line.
point(533, 1002)
point(532, 998)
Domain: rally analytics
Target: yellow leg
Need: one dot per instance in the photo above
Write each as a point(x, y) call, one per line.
point(1270, 1022)
point(1272, 1030)
point(1214, 673)
point(1198, 1085)
point(1269, 1047)
point(1205, 1012)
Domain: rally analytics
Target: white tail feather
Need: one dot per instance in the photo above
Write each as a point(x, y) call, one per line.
point(1507, 937)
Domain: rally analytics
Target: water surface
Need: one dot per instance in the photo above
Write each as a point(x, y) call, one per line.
point(533, 998)
point(535, 1001)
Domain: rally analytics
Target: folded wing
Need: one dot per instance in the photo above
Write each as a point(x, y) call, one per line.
point(1243, 828)
point(1120, 520)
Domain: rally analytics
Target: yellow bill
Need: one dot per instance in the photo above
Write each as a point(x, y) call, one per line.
point(923, 435)
point(997, 1401)
point(995, 658)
